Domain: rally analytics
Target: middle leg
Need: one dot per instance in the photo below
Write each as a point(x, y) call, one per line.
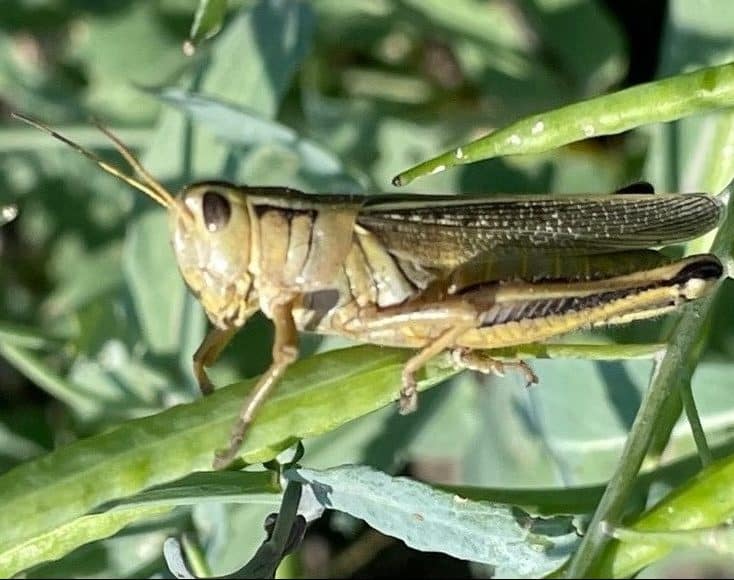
point(285, 351)
point(466, 358)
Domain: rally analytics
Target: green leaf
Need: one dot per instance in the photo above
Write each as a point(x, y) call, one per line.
point(316, 395)
point(702, 91)
point(431, 520)
point(208, 20)
point(86, 278)
point(27, 337)
point(719, 538)
point(705, 501)
point(18, 437)
point(254, 59)
point(239, 127)
point(693, 563)
point(492, 23)
point(224, 486)
point(113, 73)
point(157, 292)
point(61, 540)
point(602, 62)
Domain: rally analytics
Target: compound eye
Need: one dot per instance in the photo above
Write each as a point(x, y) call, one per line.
point(217, 211)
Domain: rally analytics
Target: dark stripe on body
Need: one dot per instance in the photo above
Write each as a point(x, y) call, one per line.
point(708, 268)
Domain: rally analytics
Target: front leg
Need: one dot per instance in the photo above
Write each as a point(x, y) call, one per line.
point(207, 354)
point(285, 351)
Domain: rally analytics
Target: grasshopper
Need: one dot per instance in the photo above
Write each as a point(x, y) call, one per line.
point(431, 273)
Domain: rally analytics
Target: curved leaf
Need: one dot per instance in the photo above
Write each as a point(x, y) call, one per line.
point(61, 540)
point(705, 501)
point(701, 91)
point(240, 127)
point(232, 487)
point(317, 395)
point(208, 20)
point(428, 519)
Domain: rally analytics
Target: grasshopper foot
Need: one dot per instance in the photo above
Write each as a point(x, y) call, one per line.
point(224, 457)
point(475, 361)
point(207, 353)
point(205, 385)
point(408, 394)
point(530, 377)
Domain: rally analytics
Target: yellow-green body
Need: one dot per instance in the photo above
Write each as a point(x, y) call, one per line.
point(356, 267)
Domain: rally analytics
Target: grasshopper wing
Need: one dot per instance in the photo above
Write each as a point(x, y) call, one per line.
point(444, 231)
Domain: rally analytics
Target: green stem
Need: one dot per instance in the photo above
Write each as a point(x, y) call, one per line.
point(667, 419)
point(680, 357)
point(713, 176)
point(694, 420)
point(612, 502)
point(195, 556)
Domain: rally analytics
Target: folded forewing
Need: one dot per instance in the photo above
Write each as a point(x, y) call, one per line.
point(447, 231)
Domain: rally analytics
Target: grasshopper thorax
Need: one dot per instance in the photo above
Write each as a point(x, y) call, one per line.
point(211, 239)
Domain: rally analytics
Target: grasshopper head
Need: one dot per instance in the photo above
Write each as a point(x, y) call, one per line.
point(211, 239)
point(211, 233)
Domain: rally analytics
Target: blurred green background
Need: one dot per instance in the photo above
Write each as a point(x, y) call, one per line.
point(333, 95)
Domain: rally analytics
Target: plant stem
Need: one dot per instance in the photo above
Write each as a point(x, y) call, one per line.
point(617, 491)
point(678, 361)
point(689, 404)
point(195, 556)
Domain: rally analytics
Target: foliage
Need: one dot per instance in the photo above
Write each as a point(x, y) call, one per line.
point(105, 442)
